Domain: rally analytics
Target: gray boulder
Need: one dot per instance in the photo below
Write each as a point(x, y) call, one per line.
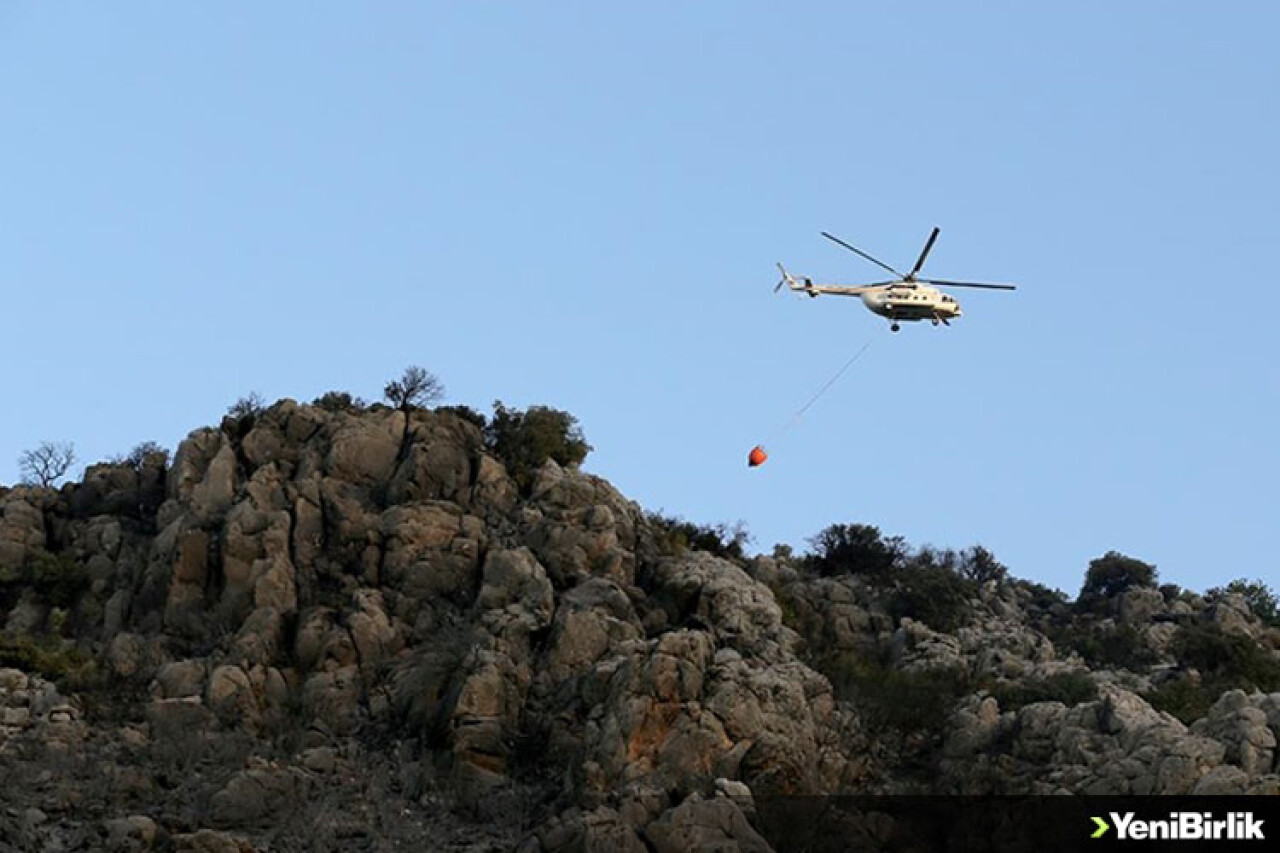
point(698, 824)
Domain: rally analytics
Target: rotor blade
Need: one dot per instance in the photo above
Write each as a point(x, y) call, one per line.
point(924, 254)
point(946, 283)
point(863, 254)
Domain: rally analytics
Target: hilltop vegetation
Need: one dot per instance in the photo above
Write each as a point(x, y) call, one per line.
point(347, 625)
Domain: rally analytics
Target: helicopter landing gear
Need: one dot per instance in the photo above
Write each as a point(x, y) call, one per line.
point(935, 321)
point(893, 327)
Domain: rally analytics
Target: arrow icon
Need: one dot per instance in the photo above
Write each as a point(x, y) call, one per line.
point(1103, 826)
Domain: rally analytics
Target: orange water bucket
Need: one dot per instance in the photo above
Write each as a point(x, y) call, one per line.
point(756, 457)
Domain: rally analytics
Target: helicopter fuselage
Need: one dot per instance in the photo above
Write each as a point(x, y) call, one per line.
point(911, 302)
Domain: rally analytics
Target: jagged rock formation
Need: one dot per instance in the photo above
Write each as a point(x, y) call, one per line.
point(355, 630)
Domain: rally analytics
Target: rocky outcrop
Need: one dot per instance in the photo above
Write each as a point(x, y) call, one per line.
point(318, 622)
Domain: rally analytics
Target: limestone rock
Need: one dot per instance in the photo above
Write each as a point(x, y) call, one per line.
point(233, 696)
point(592, 618)
point(21, 531)
point(1139, 605)
point(179, 680)
point(1239, 722)
point(437, 463)
point(374, 637)
point(515, 589)
point(1232, 614)
point(256, 795)
point(203, 476)
point(741, 612)
point(432, 549)
point(212, 841)
point(133, 833)
point(698, 824)
point(332, 698)
point(916, 646)
point(363, 449)
point(599, 831)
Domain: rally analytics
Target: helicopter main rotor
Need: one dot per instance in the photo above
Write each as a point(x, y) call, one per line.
point(910, 278)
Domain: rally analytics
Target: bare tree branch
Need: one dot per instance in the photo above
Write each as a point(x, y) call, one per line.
point(47, 463)
point(415, 388)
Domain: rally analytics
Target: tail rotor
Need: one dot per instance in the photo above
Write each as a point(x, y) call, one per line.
point(785, 280)
point(792, 283)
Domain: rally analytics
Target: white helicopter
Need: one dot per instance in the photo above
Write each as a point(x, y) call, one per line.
point(905, 298)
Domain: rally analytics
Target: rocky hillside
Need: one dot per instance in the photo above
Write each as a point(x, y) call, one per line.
point(329, 629)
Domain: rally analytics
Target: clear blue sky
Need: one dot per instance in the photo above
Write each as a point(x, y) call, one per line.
point(580, 204)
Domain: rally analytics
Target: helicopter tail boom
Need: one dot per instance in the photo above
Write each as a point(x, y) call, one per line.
point(793, 283)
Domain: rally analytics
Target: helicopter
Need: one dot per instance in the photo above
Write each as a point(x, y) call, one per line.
point(905, 298)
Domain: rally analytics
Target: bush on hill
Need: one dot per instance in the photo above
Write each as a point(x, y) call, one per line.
point(1109, 576)
point(1069, 688)
point(721, 540)
point(1220, 661)
point(49, 658)
point(141, 454)
point(1042, 597)
point(1232, 659)
point(57, 580)
point(1103, 645)
point(932, 594)
point(908, 701)
point(1260, 598)
point(1186, 698)
point(980, 566)
point(249, 406)
point(932, 586)
point(340, 401)
point(855, 549)
point(524, 440)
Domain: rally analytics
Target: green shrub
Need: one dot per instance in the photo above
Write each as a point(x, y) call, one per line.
point(855, 549)
point(1109, 576)
point(1043, 597)
point(931, 594)
point(141, 454)
point(979, 565)
point(1188, 699)
point(1230, 660)
point(1224, 661)
point(720, 540)
point(525, 440)
point(340, 401)
point(1069, 688)
point(1260, 598)
point(57, 578)
point(48, 658)
point(908, 701)
point(1105, 645)
point(249, 406)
